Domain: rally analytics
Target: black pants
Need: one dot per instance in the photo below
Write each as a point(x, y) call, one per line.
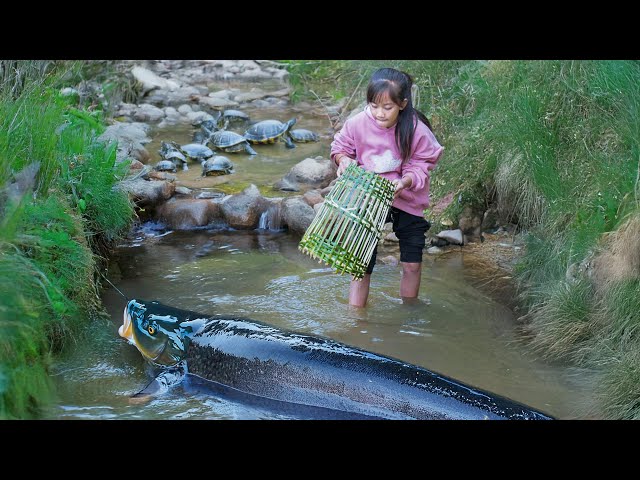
point(410, 230)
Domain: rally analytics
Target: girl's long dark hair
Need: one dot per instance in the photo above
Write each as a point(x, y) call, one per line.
point(397, 85)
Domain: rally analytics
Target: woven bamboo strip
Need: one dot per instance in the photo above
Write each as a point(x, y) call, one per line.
point(346, 229)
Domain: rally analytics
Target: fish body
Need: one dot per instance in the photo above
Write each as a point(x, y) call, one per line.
point(293, 368)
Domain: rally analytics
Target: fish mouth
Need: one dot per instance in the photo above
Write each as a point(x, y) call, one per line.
point(126, 329)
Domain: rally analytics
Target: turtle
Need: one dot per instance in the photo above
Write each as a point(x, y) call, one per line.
point(232, 116)
point(216, 165)
point(165, 166)
point(302, 135)
point(209, 126)
point(230, 142)
point(270, 131)
point(196, 151)
point(200, 136)
point(170, 151)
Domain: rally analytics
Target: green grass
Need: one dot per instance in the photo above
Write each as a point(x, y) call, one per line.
point(618, 394)
point(562, 322)
point(619, 316)
point(56, 226)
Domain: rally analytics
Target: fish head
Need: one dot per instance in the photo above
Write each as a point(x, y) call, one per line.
point(159, 332)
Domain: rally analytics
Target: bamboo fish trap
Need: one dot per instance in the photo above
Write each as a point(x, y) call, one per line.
point(346, 229)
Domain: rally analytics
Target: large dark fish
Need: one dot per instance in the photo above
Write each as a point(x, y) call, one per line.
point(260, 361)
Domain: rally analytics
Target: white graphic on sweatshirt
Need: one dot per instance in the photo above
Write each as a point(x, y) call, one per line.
point(385, 162)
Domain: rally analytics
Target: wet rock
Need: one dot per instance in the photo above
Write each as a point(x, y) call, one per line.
point(391, 238)
point(389, 260)
point(130, 136)
point(136, 165)
point(186, 214)
point(253, 94)
point(183, 109)
point(150, 81)
point(243, 211)
point(311, 173)
point(286, 185)
point(163, 176)
point(216, 103)
point(196, 118)
point(260, 103)
point(125, 110)
point(438, 242)
point(172, 116)
point(148, 113)
point(145, 193)
point(140, 154)
point(312, 197)
point(175, 98)
point(452, 236)
point(328, 188)
point(226, 94)
point(211, 194)
point(297, 214)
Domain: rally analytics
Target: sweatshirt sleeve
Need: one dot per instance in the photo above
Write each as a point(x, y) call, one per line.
point(343, 142)
point(425, 156)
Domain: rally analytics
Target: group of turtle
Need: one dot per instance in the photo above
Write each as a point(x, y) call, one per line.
point(213, 136)
point(173, 155)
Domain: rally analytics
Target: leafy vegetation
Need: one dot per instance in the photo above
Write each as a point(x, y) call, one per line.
point(59, 213)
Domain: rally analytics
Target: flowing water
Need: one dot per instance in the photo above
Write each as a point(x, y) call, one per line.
point(456, 329)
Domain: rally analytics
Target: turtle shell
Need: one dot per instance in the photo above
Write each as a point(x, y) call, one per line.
point(173, 154)
point(199, 136)
point(165, 166)
point(235, 116)
point(268, 131)
point(229, 141)
point(217, 165)
point(209, 126)
point(226, 138)
point(196, 151)
point(302, 135)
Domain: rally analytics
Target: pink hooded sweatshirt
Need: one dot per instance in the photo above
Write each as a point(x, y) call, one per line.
point(374, 147)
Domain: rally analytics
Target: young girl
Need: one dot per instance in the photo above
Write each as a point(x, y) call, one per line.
point(394, 140)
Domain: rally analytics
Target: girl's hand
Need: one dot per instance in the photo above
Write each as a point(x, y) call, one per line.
point(344, 162)
point(401, 184)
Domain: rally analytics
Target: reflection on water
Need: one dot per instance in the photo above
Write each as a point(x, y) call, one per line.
point(455, 329)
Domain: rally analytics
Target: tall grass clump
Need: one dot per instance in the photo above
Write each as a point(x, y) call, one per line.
point(562, 324)
point(24, 311)
point(570, 131)
point(88, 176)
point(618, 394)
point(59, 213)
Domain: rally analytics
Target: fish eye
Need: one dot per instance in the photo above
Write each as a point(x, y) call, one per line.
point(151, 330)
